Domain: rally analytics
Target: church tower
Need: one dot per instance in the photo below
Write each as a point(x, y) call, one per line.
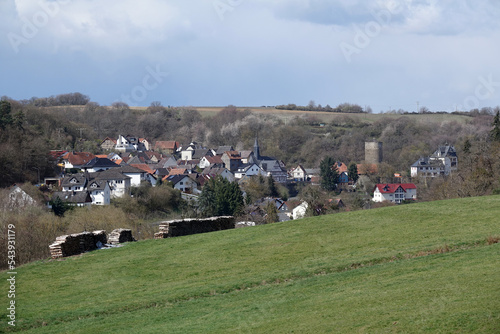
point(256, 149)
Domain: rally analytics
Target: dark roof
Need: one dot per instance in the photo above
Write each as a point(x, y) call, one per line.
point(97, 185)
point(72, 180)
point(110, 174)
point(73, 196)
point(176, 178)
point(222, 149)
point(100, 162)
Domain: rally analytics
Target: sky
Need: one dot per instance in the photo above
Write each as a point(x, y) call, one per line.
point(386, 54)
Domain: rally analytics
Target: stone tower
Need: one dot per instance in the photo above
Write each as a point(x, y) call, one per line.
point(373, 152)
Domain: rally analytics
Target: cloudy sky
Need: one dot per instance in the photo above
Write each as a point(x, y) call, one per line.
point(385, 54)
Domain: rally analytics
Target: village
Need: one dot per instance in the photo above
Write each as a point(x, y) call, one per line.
point(85, 179)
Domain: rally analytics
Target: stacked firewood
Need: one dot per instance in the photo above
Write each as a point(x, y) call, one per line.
point(65, 245)
point(73, 244)
point(120, 235)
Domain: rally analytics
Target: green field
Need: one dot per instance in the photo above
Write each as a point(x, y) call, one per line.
point(417, 268)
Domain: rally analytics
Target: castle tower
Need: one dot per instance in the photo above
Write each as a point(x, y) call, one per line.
point(373, 152)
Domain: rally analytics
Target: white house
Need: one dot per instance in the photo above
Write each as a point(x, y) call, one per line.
point(299, 173)
point(124, 145)
point(100, 192)
point(395, 192)
point(183, 183)
point(249, 170)
point(442, 162)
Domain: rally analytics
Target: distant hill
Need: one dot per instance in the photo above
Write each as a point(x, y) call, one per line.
point(428, 267)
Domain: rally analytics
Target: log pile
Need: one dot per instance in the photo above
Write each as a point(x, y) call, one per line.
point(120, 235)
point(74, 244)
point(177, 228)
point(65, 245)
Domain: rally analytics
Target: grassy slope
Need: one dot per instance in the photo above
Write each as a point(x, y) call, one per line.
point(281, 277)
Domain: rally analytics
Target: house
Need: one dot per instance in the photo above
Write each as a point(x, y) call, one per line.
point(108, 144)
point(343, 178)
point(119, 183)
point(231, 160)
point(76, 160)
point(218, 171)
point(299, 173)
point(74, 182)
point(182, 182)
point(100, 192)
point(442, 162)
point(74, 198)
point(168, 147)
point(249, 170)
point(126, 144)
point(246, 156)
point(208, 161)
point(395, 192)
point(144, 144)
point(99, 164)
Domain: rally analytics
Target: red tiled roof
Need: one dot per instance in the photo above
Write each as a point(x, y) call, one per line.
point(78, 158)
point(177, 171)
point(166, 145)
point(214, 160)
point(234, 155)
point(390, 188)
point(143, 167)
point(341, 167)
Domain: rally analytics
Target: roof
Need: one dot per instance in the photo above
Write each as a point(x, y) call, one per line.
point(108, 139)
point(100, 162)
point(214, 160)
point(73, 196)
point(445, 151)
point(341, 167)
point(97, 185)
point(175, 178)
point(166, 145)
point(178, 171)
point(246, 154)
point(143, 167)
point(71, 180)
point(233, 155)
point(427, 162)
point(78, 158)
point(390, 188)
point(222, 149)
point(110, 174)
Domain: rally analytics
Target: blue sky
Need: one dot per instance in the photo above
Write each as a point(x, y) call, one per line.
point(387, 54)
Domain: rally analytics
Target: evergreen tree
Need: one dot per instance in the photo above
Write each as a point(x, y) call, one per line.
point(329, 174)
point(220, 197)
point(5, 116)
point(58, 206)
point(273, 191)
point(352, 172)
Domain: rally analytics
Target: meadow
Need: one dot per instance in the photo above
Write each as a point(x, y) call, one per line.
point(427, 267)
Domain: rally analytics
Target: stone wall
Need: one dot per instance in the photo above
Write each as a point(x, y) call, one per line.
point(177, 228)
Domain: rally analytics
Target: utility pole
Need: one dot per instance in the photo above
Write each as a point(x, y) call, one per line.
point(418, 104)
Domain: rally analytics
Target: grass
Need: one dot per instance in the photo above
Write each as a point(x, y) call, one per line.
point(423, 267)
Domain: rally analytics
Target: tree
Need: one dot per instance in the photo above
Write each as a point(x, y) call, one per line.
point(271, 213)
point(58, 206)
point(5, 116)
point(495, 132)
point(352, 172)
point(273, 191)
point(220, 197)
point(329, 174)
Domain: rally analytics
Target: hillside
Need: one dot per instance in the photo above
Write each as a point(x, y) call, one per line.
point(417, 268)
